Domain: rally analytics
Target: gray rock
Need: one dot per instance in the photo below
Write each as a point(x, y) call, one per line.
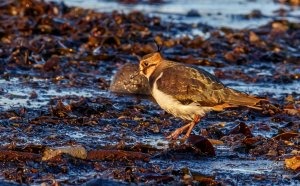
point(128, 80)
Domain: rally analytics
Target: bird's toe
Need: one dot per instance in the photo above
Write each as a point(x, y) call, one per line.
point(174, 135)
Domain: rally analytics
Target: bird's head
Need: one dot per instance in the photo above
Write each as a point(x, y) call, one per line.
point(149, 63)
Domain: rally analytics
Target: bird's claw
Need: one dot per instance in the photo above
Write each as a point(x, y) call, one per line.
point(174, 135)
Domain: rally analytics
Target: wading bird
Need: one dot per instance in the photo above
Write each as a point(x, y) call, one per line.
point(187, 92)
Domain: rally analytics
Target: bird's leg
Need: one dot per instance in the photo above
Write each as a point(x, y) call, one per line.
point(193, 123)
point(174, 135)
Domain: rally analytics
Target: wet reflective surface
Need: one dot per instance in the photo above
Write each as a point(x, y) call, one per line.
point(229, 13)
point(54, 92)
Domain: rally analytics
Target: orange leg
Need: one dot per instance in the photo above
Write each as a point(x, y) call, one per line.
point(174, 135)
point(196, 120)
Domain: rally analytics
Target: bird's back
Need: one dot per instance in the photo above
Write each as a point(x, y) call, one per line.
point(189, 85)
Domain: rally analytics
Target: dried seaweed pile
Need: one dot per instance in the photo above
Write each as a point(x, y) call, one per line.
point(74, 139)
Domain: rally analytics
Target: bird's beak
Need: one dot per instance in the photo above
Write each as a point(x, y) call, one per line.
point(144, 71)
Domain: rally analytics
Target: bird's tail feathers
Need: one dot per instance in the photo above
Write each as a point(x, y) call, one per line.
point(238, 99)
point(242, 99)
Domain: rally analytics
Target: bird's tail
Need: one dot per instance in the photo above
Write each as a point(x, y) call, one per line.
point(236, 98)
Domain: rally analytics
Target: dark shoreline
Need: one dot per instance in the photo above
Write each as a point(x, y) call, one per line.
point(56, 64)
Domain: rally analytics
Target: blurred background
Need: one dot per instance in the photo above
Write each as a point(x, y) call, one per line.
point(229, 13)
point(59, 60)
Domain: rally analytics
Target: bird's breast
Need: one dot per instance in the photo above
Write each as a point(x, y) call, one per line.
point(173, 106)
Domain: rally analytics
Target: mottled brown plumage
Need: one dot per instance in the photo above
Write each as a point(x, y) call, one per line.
point(187, 92)
point(188, 85)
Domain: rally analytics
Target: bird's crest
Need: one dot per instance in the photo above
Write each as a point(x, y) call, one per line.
point(159, 47)
point(154, 55)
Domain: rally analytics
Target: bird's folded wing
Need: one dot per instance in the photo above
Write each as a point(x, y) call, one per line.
point(189, 85)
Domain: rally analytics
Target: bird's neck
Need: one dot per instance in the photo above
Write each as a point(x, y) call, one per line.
point(158, 70)
point(151, 69)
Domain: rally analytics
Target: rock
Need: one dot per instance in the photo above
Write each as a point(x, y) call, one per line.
point(128, 80)
point(202, 144)
point(193, 13)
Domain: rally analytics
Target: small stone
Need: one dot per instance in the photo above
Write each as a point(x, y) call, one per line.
point(193, 13)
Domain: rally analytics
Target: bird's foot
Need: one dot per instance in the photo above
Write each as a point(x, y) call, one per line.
point(174, 135)
point(185, 137)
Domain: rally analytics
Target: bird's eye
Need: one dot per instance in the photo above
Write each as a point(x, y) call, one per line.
point(146, 63)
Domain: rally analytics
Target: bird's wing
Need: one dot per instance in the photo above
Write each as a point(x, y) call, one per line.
point(190, 85)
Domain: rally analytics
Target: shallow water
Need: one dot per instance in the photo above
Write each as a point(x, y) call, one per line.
point(17, 91)
point(217, 13)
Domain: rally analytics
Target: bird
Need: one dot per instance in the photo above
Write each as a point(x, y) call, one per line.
point(188, 93)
